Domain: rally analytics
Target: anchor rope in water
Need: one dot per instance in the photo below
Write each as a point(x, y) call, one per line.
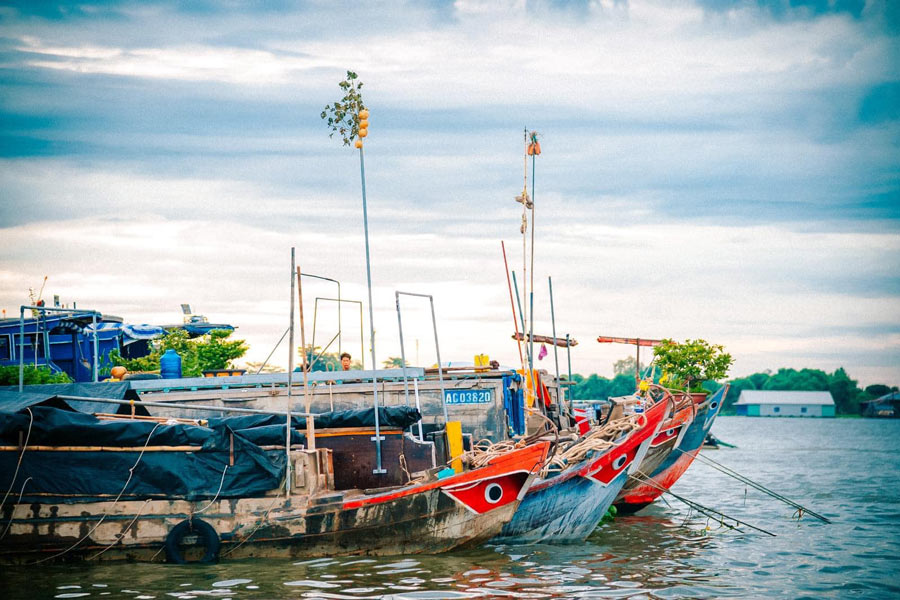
point(103, 517)
point(746, 480)
point(709, 512)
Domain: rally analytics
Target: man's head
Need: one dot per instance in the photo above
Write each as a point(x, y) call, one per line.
point(345, 361)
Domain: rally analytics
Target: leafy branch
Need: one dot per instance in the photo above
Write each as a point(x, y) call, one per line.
point(343, 116)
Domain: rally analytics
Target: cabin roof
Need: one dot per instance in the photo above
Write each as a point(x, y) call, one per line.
point(785, 397)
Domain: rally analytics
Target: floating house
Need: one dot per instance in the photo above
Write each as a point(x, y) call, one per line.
point(757, 403)
point(885, 406)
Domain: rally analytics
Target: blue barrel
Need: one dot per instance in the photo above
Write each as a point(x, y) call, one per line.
point(170, 365)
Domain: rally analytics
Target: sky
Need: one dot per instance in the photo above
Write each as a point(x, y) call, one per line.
point(717, 169)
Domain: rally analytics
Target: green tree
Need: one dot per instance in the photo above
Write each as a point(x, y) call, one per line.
point(845, 393)
point(218, 352)
point(31, 375)
point(878, 390)
point(207, 352)
point(394, 362)
point(760, 379)
point(626, 366)
point(688, 364)
point(734, 392)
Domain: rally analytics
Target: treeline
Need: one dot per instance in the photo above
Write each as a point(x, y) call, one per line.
point(845, 391)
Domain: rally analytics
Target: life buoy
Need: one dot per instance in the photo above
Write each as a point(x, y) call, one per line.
point(208, 537)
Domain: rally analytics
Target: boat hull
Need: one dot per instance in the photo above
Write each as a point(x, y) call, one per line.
point(670, 470)
point(566, 507)
point(430, 517)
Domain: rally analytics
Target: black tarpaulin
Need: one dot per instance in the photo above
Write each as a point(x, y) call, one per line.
point(12, 400)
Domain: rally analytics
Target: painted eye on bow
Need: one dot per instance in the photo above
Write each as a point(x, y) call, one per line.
point(493, 493)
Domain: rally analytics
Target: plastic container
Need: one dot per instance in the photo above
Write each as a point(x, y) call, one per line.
point(170, 365)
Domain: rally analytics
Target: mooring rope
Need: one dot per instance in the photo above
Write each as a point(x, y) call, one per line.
point(709, 512)
point(12, 513)
point(746, 480)
point(94, 528)
point(221, 483)
point(598, 440)
point(21, 456)
point(121, 536)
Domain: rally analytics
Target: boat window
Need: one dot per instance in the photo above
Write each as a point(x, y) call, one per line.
point(5, 347)
point(777, 409)
point(803, 409)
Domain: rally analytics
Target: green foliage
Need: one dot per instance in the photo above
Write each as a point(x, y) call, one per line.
point(218, 352)
point(595, 387)
point(689, 364)
point(626, 366)
point(844, 391)
point(205, 353)
point(328, 361)
point(31, 375)
point(342, 117)
point(878, 390)
point(393, 362)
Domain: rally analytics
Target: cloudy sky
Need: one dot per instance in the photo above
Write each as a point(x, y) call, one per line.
point(722, 169)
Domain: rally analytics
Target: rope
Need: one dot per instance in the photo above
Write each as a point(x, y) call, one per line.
point(598, 440)
point(94, 528)
point(22, 493)
point(21, 456)
point(265, 518)
point(746, 480)
point(221, 483)
point(124, 531)
point(709, 512)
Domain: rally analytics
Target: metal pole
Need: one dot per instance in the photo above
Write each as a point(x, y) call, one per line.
point(252, 411)
point(402, 348)
point(290, 384)
point(637, 363)
point(362, 174)
point(555, 350)
point(95, 366)
point(315, 310)
point(512, 305)
point(531, 286)
point(437, 349)
point(21, 347)
point(437, 346)
point(310, 423)
point(521, 317)
point(569, 352)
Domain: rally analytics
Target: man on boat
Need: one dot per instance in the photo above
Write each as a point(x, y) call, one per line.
point(345, 361)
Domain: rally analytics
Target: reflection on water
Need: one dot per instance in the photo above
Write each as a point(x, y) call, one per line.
point(847, 470)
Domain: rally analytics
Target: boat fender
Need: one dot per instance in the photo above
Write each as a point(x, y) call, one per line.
point(208, 537)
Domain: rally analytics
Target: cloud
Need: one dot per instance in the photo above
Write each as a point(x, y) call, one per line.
point(725, 170)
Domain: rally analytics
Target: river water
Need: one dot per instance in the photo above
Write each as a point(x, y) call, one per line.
point(846, 469)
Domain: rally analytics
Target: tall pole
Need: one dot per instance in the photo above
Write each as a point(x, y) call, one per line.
point(553, 323)
point(310, 421)
point(290, 383)
point(362, 173)
point(513, 306)
point(531, 285)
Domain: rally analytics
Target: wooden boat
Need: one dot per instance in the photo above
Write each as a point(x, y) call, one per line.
point(658, 478)
point(83, 488)
point(566, 505)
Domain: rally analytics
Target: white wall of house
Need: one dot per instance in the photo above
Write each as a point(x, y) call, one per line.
point(790, 410)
